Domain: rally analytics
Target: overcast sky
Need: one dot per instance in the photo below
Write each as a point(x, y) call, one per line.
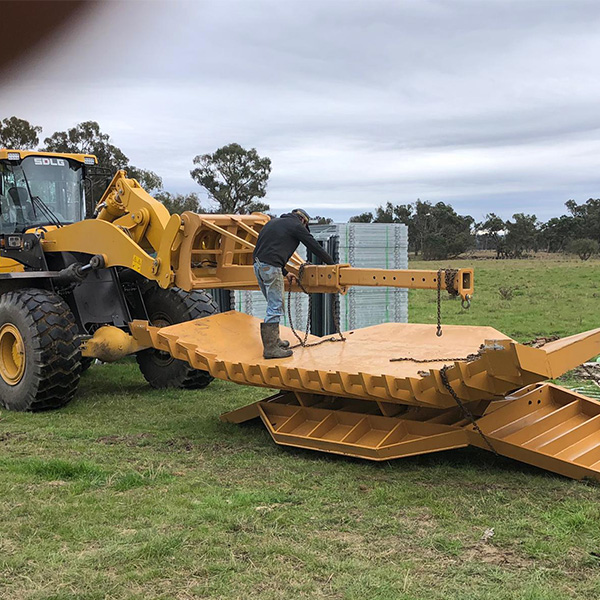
point(489, 105)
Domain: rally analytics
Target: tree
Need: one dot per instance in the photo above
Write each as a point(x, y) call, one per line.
point(178, 203)
point(321, 220)
point(234, 178)
point(558, 232)
point(384, 215)
point(366, 217)
point(149, 180)
point(87, 138)
point(445, 233)
point(490, 230)
point(521, 235)
point(18, 134)
point(584, 248)
point(589, 217)
point(435, 229)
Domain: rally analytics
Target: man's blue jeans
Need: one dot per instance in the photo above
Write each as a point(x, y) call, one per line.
point(270, 280)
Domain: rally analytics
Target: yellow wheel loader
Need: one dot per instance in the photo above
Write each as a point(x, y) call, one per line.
point(132, 280)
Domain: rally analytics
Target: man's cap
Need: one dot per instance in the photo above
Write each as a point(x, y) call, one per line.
point(302, 213)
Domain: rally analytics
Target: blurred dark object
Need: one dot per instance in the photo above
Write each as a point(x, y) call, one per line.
point(24, 26)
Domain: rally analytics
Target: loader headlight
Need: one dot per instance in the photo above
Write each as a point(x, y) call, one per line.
point(14, 156)
point(88, 160)
point(13, 241)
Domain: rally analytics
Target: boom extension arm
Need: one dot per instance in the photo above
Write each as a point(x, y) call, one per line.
point(338, 278)
point(206, 251)
point(216, 252)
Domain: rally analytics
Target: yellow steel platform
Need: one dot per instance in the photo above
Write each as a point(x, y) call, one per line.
point(351, 398)
point(542, 425)
point(228, 345)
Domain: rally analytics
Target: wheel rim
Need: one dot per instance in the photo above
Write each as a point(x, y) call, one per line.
point(161, 358)
point(12, 354)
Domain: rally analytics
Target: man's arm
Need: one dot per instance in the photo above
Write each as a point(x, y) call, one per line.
point(311, 244)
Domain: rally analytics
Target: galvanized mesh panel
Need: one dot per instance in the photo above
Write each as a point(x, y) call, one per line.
point(375, 245)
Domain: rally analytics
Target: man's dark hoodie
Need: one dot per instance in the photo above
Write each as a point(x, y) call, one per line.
point(279, 238)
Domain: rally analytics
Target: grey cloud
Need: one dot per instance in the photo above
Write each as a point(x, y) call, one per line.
point(489, 105)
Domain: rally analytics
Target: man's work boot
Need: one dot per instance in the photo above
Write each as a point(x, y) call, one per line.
point(283, 343)
point(269, 333)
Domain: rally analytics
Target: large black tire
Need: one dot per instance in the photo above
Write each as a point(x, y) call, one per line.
point(167, 307)
point(39, 351)
point(86, 363)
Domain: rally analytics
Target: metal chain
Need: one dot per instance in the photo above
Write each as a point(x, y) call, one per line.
point(468, 358)
point(449, 276)
point(465, 410)
point(439, 304)
point(303, 342)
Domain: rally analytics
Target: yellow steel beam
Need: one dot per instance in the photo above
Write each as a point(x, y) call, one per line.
point(94, 236)
point(338, 278)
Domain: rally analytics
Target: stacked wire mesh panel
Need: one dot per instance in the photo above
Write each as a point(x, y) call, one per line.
point(376, 246)
point(368, 245)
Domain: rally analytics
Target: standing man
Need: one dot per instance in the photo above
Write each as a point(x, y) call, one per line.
point(276, 243)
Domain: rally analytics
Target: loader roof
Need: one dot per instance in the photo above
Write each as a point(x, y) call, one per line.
point(5, 154)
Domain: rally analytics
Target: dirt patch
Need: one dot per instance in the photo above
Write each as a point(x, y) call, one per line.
point(494, 555)
point(137, 439)
point(180, 444)
point(10, 435)
point(587, 372)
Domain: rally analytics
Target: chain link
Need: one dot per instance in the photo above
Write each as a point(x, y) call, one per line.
point(449, 277)
point(303, 342)
point(468, 358)
point(463, 407)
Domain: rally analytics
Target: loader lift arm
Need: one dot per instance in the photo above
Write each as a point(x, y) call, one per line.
point(206, 251)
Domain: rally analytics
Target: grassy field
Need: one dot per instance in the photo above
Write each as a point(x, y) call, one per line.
point(521, 298)
point(136, 493)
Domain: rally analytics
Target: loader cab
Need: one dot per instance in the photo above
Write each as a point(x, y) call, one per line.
point(41, 189)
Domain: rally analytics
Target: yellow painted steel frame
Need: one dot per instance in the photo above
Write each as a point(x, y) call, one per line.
point(196, 251)
point(216, 252)
point(130, 227)
point(541, 424)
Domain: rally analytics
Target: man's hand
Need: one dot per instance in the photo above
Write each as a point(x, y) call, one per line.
point(291, 278)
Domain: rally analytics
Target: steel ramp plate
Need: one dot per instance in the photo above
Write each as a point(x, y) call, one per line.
point(543, 425)
point(228, 346)
point(360, 435)
point(549, 427)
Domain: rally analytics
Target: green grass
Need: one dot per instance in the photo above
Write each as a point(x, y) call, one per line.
point(553, 296)
point(141, 494)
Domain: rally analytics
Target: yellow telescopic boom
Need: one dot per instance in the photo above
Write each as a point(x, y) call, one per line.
point(211, 251)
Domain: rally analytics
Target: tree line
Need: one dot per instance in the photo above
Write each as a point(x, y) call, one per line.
point(436, 231)
point(235, 180)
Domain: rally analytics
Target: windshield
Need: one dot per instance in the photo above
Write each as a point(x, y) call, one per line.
point(40, 191)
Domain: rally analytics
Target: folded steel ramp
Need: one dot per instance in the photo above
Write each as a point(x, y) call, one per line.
point(491, 365)
point(542, 425)
point(546, 426)
point(351, 398)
